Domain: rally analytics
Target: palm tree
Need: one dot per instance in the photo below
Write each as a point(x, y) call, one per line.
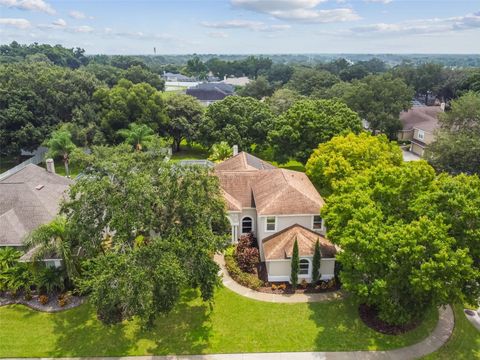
point(138, 135)
point(53, 238)
point(60, 144)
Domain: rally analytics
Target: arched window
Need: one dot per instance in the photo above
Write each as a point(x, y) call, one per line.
point(247, 225)
point(304, 267)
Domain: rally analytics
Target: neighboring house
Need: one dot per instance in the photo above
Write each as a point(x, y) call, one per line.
point(236, 81)
point(168, 76)
point(277, 206)
point(418, 126)
point(29, 198)
point(208, 93)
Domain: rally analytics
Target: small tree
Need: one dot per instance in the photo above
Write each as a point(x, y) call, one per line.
point(137, 135)
point(295, 265)
point(60, 144)
point(317, 257)
point(220, 151)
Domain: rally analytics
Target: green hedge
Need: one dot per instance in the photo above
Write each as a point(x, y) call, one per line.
point(249, 280)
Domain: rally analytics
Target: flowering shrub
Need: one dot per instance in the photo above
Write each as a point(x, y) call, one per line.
point(246, 254)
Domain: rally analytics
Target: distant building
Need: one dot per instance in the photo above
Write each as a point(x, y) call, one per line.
point(168, 76)
point(208, 93)
point(418, 126)
point(236, 81)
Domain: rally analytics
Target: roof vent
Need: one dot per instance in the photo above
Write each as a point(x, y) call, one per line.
point(39, 187)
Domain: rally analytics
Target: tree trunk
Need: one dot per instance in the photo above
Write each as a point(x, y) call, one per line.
point(66, 168)
point(426, 98)
point(176, 144)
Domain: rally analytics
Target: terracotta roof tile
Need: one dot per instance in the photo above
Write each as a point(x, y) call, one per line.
point(280, 245)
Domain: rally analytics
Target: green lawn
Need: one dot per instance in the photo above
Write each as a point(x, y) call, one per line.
point(233, 324)
point(464, 343)
point(190, 152)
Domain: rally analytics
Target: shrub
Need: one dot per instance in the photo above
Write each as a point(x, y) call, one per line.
point(43, 299)
point(303, 284)
point(50, 279)
point(230, 251)
point(249, 280)
point(274, 287)
point(64, 299)
point(28, 294)
point(246, 254)
point(282, 286)
point(295, 262)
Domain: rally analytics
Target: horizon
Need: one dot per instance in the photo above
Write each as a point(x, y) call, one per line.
point(241, 27)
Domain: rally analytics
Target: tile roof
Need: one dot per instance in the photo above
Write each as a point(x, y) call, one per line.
point(421, 117)
point(279, 246)
point(25, 204)
point(255, 183)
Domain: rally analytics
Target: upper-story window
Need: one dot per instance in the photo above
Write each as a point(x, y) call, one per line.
point(271, 223)
point(317, 222)
point(247, 225)
point(421, 135)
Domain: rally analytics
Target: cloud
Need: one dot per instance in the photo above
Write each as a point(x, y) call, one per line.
point(218, 34)
point(425, 26)
point(298, 10)
point(83, 29)
point(379, 1)
point(245, 24)
point(30, 5)
point(16, 23)
point(59, 23)
point(79, 15)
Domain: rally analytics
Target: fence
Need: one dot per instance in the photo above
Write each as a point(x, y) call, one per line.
point(36, 159)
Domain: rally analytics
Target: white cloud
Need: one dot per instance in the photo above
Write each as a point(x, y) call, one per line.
point(379, 1)
point(60, 23)
point(83, 29)
point(15, 22)
point(425, 26)
point(298, 10)
point(31, 5)
point(79, 15)
point(245, 24)
point(218, 34)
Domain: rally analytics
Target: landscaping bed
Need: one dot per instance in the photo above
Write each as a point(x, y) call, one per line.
point(369, 316)
point(52, 303)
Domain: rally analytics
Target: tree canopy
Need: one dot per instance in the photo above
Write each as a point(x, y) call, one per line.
point(307, 123)
point(345, 156)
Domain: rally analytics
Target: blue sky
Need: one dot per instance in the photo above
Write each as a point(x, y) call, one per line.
point(246, 26)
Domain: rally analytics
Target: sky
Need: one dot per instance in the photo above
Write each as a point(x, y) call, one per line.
point(246, 26)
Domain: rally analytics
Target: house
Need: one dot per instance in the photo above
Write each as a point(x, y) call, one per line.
point(168, 76)
point(277, 206)
point(208, 93)
point(418, 126)
point(29, 198)
point(236, 81)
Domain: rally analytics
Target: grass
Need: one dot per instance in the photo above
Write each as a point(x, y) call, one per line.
point(232, 324)
point(464, 343)
point(60, 169)
point(190, 152)
point(292, 165)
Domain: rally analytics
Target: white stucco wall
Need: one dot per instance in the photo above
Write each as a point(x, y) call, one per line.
point(280, 270)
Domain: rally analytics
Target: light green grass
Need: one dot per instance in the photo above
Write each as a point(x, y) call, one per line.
point(60, 169)
point(232, 324)
point(293, 165)
point(190, 152)
point(464, 343)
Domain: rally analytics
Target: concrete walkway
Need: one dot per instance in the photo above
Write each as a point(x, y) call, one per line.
point(432, 343)
point(231, 284)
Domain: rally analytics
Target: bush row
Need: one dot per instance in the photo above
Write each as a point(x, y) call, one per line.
point(249, 280)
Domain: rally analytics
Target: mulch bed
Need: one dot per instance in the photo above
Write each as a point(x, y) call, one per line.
point(310, 289)
point(51, 306)
point(369, 315)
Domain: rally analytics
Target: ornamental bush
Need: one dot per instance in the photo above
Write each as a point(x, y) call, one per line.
point(246, 254)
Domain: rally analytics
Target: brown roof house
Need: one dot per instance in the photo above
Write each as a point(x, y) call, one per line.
point(277, 206)
point(419, 126)
point(29, 198)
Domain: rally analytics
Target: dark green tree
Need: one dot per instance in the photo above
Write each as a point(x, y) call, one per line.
point(317, 258)
point(295, 263)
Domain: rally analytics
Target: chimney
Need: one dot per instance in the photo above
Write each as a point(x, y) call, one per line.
point(442, 106)
point(50, 166)
point(235, 150)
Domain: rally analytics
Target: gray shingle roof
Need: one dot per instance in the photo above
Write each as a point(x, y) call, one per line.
point(28, 199)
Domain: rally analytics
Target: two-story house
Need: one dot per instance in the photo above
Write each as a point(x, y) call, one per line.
point(419, 125)
point(278, 206)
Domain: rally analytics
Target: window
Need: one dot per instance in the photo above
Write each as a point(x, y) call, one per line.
point(304, 266)
point(247, 225)
point(271, 223)
point(317, 222)
point(421, 134)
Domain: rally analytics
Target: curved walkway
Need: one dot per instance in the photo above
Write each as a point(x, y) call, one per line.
point(231, 284)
